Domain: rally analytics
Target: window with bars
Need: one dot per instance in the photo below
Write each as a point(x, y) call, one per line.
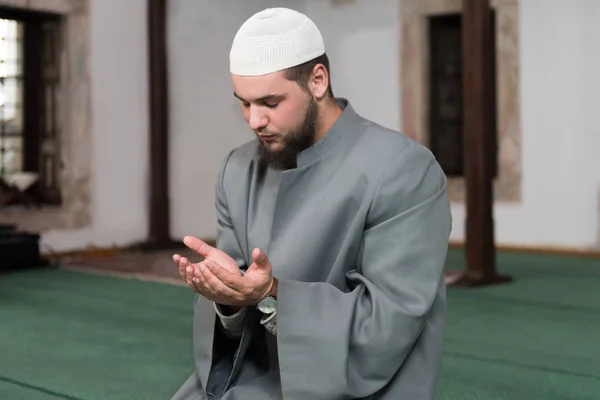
point(29, 84)
point(11, 97)
point(445, 94)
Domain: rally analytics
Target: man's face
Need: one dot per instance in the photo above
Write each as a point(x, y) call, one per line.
point(283, 116)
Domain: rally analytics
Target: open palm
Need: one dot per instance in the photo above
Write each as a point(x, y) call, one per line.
point(211, 254)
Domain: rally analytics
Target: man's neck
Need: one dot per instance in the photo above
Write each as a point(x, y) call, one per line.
point(330, 113)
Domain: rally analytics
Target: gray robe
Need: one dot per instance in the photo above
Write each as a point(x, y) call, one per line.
point(357, 235)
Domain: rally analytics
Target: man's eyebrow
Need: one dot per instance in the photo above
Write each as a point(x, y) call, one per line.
point(273, 96)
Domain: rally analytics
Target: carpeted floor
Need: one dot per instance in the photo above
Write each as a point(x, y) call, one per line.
point(72, 335)
point(535, 339)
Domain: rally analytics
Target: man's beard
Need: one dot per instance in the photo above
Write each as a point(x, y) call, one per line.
point(293, 143)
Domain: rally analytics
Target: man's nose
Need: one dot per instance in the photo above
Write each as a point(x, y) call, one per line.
point(256, 119)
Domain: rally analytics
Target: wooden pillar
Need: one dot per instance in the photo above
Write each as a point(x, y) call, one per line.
point(479, 130)
point(159, 213)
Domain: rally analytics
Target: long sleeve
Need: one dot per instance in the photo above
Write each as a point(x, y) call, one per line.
point(227, 242)
point(342, 344)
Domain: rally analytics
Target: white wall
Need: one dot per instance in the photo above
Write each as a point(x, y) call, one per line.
point(559, 83)
point(362, 40)
point(560, 60)
point(119, 97)
point(206, 121)
point(559, 86)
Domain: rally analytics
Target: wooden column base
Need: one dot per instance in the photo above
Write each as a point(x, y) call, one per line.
point(471, 279)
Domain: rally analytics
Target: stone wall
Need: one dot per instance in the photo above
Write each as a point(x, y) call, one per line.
point(414, 66)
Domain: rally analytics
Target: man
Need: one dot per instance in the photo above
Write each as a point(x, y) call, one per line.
point(327, 278)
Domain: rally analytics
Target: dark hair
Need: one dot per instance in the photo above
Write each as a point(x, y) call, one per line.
point(301, 73)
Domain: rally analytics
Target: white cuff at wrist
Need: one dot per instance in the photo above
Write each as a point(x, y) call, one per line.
point(233, 324)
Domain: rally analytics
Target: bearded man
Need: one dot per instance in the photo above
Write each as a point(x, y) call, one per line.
point(327, 277)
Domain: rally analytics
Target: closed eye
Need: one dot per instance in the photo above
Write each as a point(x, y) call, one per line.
point(269, 101)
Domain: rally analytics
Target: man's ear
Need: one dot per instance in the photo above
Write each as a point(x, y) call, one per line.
point(319, 82)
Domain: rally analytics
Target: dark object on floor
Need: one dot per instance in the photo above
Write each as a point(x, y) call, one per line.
point(19, 250)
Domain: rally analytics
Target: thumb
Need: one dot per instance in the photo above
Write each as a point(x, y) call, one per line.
point(199, 246)
point(260, 258)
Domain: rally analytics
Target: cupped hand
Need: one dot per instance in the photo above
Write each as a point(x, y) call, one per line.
point(223, 287)
point(188, 270)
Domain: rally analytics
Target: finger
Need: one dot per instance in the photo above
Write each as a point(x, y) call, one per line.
point(186, 273)
point(260, 258)
point(176, 259)
point(199, 246)
point(181, 267)
point(202, 285)
point(234, 281)
point(185, 269)
point(200, 281)
point(214, 287)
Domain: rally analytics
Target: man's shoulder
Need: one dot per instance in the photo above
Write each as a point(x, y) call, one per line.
point(405, 172)
point(380, 145)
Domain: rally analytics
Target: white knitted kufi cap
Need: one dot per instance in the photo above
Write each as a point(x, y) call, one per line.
point(272, 40)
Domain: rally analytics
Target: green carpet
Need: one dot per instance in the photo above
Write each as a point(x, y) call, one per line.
point(68, 335)
point(537, 338)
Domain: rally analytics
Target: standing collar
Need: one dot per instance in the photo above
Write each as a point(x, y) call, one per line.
point(344, 122)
